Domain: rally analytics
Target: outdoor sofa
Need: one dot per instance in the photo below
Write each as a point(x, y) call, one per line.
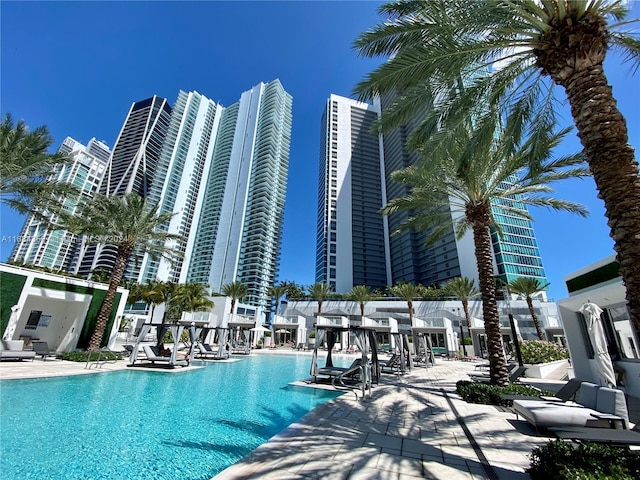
point(596, 407)
point(13, 350)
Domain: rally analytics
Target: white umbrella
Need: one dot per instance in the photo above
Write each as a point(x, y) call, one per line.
point(13, 323)
point(259, 328)
point(604, 366)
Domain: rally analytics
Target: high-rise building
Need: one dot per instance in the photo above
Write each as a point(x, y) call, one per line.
point(137, 149)
point(55, 249)
point(352, 241)
point(181, 176)
point(240, 215)
point(411, 260)
point(131, 168)
point(353, 245)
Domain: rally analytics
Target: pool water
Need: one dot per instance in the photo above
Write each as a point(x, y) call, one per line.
point(150, 425)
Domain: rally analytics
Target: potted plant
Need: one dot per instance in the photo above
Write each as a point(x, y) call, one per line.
point(312, 338)
point(543, 358)
point(267, 339)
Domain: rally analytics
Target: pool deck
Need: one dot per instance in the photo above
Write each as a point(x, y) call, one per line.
point(411, 426)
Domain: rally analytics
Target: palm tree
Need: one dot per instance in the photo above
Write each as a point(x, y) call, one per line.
point(511, 53)
point(465, 289)
point(27, 170)
point(135, 292)
point(496, 178)
point(277, 291)
point(128, 223)
point(293, 290)
point(528, 286)
point(192, 297)
point(407, 291)
point(155, 293)
point(235, 290)
point(319, 291)
point(361, 294)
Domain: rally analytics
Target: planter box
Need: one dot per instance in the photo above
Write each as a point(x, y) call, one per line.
point(544, 370)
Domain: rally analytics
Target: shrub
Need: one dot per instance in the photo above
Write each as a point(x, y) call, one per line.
point(312, 335)
point(487, 394)
point(168, 338)
point(540, 351)
point(90, 356)
point(585, 461)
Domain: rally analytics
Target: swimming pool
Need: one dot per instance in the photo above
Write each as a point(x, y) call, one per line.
point(150, 425)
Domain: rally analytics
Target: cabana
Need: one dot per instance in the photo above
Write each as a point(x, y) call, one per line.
point(401, 345)
point(240, 330)
point(175, 329)
point(364, 338)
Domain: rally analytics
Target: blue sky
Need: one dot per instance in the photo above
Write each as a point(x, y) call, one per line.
point(77, 67)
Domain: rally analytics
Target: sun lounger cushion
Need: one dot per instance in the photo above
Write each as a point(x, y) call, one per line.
point(13, 349)
point(610, 400)
point(588, 395)
point(543, 414)
point(552, 414)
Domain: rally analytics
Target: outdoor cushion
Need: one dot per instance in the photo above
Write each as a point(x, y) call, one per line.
point(13, 349)
point(612, 401)
point(553, 414)
point(13, 345)
point(588, 395)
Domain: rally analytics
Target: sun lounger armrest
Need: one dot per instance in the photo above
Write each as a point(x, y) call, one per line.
point(613, 420)
point(549, 399)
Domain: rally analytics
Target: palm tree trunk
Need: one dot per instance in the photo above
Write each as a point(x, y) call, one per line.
point(465, 309)
point(484, 258)
point(603, 132)
point(105, 310)
point(534, 317)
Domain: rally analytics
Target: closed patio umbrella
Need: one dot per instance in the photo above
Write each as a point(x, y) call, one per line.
point(13, 323)
point(604, 366)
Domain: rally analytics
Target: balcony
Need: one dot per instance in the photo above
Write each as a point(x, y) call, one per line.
point(332, 322)
point(381, 324)
point(289, 321)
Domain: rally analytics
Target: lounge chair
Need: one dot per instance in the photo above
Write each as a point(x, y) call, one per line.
point(13, 350)
point(352, 372)
point(205, 351)
point(391, 365)
point(42, 348)
point(332, 372)
point(514, 375)
point(153, 355)
point(599, 435)
point(596, 407)
point(566, 393)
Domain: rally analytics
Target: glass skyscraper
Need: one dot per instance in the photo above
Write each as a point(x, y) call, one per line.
point(352, 240)
point(240, 216)
point(352, 236)
point(56, 249)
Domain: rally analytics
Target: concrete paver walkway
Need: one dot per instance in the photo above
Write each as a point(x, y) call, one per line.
point(412, 426)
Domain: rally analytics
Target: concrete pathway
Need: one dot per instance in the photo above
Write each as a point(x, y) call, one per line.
point(412, 426)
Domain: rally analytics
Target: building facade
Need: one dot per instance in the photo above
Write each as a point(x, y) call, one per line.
point(131, 168)
point(352, 246)
point(181, 176)
point(355, 244)
point(238, 234)
point(56, 249)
